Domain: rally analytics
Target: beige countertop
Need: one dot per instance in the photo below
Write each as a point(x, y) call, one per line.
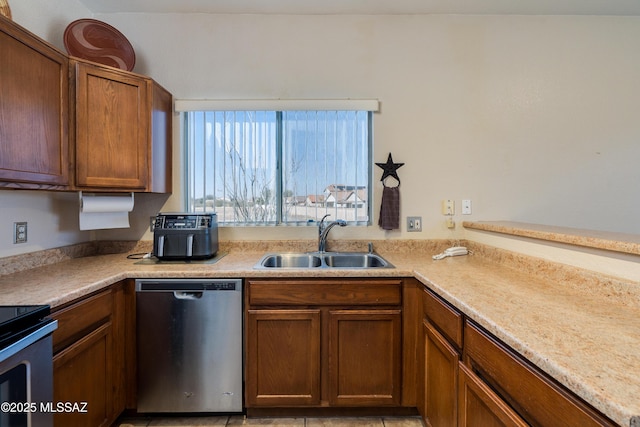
point(610, 241)
point(585, 333)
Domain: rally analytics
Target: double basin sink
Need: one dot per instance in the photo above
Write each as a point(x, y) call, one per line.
point(323, 260)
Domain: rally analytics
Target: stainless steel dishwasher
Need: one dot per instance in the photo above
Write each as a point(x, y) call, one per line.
point(189, 335)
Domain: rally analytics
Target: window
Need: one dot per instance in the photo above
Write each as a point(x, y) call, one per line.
point(272, 167)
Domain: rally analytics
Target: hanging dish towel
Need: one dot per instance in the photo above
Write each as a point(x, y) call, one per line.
point(390, 208)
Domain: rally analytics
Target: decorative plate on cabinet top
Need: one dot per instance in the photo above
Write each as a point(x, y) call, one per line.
point(5, 10)
point(99, 42)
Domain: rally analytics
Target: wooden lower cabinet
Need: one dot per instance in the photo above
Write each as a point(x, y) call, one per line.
point(83, 372)
point(442, 333)
point(538, 399)
point(89, 359)
point(326, 354)
point(479, 406)
point(283, 354)
point(364, 357)
point(471, 379)
point(441, 379)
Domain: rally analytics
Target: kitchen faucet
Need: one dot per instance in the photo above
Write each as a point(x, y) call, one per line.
point(323, 231)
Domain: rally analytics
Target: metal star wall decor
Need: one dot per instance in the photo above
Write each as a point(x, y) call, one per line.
point(390, 169)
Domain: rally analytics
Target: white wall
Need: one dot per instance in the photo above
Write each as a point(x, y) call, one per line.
point(531, 117)
point(48, 19)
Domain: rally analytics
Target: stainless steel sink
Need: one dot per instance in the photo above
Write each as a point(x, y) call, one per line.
point(355, 260)
point(359, 260)
point(290, 261)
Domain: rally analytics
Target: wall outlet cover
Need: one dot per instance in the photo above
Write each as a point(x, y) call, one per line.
point(19, 232)
point(414, 223)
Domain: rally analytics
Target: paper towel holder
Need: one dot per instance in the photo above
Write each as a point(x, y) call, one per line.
point(104, 210)
point(80, 193)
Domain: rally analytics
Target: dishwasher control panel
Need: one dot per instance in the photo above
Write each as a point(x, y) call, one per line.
point(195, 285)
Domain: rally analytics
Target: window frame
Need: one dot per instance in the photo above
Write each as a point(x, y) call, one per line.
point(371, 107)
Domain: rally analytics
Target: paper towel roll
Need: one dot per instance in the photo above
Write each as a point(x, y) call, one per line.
point(102, 211)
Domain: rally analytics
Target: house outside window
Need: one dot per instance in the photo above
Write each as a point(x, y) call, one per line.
point(279, 166)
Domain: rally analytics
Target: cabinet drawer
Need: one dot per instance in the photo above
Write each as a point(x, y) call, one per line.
point(447, 319)
point(325, 292)
point(534, 396)
point(80, 318)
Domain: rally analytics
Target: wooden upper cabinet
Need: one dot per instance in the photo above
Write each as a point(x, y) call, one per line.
point(111, 123)
point(70, 124)
point(122, 126)
point(34, 104)
point(160, 138)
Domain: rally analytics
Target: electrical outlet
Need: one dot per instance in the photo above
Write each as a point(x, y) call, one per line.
point(414, 223)
point(19, 232)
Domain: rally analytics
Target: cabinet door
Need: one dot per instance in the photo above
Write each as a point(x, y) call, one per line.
point(479, 406)
point(89, 356)
point(34, 110)
point(365, 357)
point(83, 373)
point(112, 128)
point(441, 379)
point(161, 138)
point(283, 357)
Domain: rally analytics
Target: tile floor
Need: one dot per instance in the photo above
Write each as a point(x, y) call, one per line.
point(239, 420)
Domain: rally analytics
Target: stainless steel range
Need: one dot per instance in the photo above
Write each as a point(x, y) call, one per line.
point(26, 366)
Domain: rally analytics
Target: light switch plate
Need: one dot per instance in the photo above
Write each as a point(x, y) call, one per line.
point(414, 223)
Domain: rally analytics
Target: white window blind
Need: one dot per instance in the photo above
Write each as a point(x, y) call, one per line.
point(273, 167)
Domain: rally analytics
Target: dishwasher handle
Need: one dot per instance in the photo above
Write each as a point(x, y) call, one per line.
point(191, 295)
